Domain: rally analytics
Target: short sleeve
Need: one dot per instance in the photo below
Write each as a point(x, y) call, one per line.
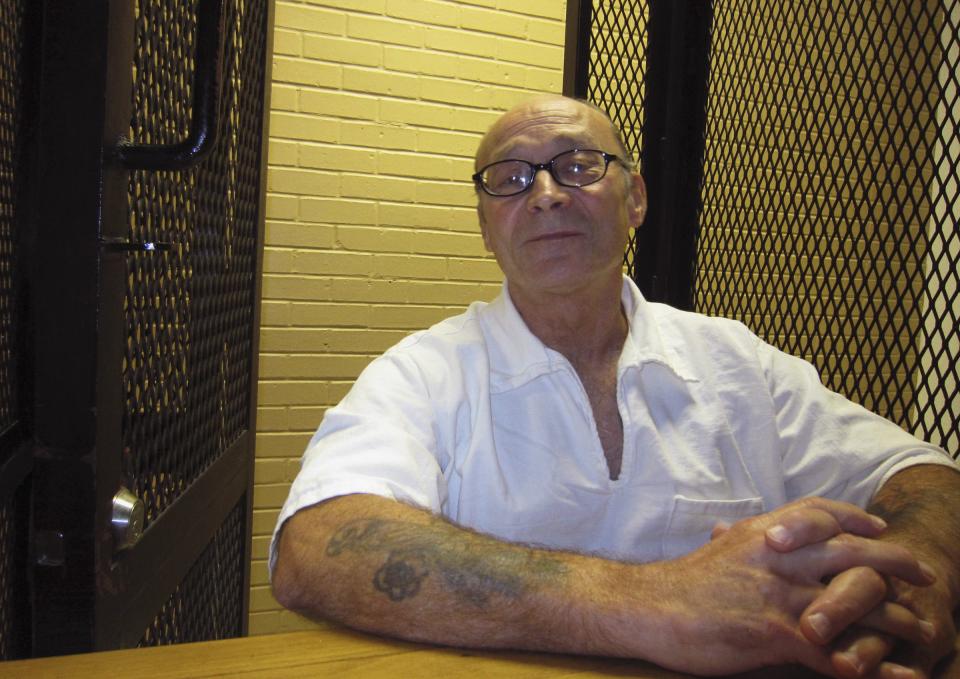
point(381, 439)
point(832, 447)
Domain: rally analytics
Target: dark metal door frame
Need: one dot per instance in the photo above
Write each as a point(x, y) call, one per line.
point(87, 593)
point(677, 81)
point(70, 494)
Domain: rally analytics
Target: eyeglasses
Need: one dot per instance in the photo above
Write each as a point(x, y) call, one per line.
point(574, 168)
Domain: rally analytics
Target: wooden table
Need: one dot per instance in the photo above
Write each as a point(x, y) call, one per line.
point(337, 653)
point(327, 653)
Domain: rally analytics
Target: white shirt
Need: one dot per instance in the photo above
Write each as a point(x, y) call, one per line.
point(477, 419)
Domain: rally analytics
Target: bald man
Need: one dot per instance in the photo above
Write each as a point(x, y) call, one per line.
point(572, 468)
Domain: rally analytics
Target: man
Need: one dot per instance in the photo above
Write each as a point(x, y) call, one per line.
point(547, 471)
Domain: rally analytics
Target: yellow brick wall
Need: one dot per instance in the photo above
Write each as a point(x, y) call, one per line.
point(376, 109)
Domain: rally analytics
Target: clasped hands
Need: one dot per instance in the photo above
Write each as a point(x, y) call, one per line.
point(812, 583)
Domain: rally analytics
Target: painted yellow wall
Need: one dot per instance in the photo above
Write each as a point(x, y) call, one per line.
point(377, 107)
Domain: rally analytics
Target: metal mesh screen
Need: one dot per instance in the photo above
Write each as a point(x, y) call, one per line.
point(831, 194)
point(208, 604)
point(618, 38)
point(8, 569)
point(14, 604)
point(14, 615)
point(11, 46)
point(189, 309)
point(831, 199)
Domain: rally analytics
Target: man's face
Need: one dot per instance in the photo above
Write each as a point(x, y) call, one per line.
point(554, 238)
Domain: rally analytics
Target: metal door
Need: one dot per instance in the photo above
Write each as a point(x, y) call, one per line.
point(143, 280)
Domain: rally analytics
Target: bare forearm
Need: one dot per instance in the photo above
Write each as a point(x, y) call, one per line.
point(922, 507)
point(384, 567)
point(733, 605)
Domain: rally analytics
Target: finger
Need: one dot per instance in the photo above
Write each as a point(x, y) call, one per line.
point(816, 658)
point(852, 519)
point(857, 597)
point(919, 660)
point(719, 529)
point(845, 600)
point(867, 654)
point(845, 551)
point(814, 519)
point(923, 659)
point(889, 670)
point(859, 652)
point(900, 622)
point(800, 527)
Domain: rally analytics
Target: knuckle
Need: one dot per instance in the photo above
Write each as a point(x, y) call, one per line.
point(809, 502)
point(848, 541)
point(876, 582)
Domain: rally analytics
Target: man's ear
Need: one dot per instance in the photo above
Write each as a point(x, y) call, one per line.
point(638, 194)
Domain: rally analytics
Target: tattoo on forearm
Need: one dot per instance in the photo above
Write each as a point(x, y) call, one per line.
point(467, 565)
point(400, 577)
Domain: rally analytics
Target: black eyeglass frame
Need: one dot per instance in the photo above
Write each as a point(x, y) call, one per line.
point(549, 167)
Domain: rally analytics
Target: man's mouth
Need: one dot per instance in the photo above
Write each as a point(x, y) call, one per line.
point(554, 235)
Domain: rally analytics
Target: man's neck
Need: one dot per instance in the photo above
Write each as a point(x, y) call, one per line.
point(586, 325)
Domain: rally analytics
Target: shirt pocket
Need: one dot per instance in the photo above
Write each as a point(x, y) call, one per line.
point(691, 521)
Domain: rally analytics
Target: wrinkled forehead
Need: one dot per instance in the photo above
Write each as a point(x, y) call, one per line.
point(544, 127)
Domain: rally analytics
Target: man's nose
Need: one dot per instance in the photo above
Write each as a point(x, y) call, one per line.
point(545, 193)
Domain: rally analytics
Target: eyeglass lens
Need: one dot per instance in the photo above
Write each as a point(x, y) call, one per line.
point(570, 168)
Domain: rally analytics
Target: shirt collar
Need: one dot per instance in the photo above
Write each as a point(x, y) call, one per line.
point(650, 340)
point(517, 356)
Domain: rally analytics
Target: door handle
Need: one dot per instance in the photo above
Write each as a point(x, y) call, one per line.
point(207, 84)
point(126, 519)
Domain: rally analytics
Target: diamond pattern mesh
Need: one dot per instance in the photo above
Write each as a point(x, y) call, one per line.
point(831, 192)
point(13, 614)
point(189, 309)
point(8, 568)
point(208, 604)
point(11, 17)
point(14, 603)
point(831, 201)
point(618, 38)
